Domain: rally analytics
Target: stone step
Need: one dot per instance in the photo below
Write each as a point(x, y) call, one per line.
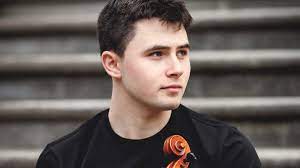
point(72, 18)
point(19, 158)
point(226, 73)
point(270, 157)
point(19, 133)
point(241, 108)
point(200, 60)
point(196, 4)
point(204, 85)
point(212, 39)
point(266, 121)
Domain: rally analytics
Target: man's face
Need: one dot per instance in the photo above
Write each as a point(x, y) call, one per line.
point(155, 68)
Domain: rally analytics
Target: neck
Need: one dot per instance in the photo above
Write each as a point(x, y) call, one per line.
point(131, 119)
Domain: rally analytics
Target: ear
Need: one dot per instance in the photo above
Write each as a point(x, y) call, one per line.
point(111, 63)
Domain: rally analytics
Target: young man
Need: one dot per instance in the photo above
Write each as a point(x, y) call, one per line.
point(145, 49)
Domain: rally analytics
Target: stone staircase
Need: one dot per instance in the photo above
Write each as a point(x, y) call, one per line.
point(245, 70)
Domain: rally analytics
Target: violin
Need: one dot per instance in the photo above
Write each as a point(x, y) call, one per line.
point(178, 149)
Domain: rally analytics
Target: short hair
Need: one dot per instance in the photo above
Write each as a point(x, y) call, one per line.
point(115, 27)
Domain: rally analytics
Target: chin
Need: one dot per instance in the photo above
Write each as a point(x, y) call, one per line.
point(169, 106)
point(174, 107)
point(164, 104)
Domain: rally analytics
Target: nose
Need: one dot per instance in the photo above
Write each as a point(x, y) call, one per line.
point(175, 69)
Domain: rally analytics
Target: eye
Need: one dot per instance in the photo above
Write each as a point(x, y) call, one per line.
point(182, 53)
point(156, 54)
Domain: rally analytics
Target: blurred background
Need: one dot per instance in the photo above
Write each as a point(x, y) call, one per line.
point(245, 70)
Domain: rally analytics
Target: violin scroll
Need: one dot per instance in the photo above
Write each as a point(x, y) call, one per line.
point(178, 148)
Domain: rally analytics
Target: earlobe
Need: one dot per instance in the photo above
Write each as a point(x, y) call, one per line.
point(111, 64)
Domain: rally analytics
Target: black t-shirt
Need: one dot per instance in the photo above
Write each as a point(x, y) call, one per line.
point(96, 145)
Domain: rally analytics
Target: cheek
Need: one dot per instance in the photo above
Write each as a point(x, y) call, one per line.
point(143, 77)
point(133, 71)
point(187, 71)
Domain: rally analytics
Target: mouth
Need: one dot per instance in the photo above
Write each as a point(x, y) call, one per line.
point(172, 88)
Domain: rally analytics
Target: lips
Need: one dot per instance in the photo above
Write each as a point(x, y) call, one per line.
point(174, 86)
point(172, 89)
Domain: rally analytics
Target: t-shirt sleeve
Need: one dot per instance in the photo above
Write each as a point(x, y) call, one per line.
point(239, 152)
point(47, 160)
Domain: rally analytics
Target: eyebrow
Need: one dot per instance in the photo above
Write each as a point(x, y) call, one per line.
point(185, 46)
point(162, 47)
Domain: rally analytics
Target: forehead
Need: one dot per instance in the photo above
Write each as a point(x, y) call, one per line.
point(150, 32)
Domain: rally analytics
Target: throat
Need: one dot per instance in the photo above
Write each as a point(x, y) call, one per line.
point(134, 126)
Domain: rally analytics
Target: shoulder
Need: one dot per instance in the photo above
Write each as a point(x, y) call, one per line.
point(71, 147)
point(208, 126)
point(212, 133)
point(47, 159)
point(223, 142)
point(78, 137)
